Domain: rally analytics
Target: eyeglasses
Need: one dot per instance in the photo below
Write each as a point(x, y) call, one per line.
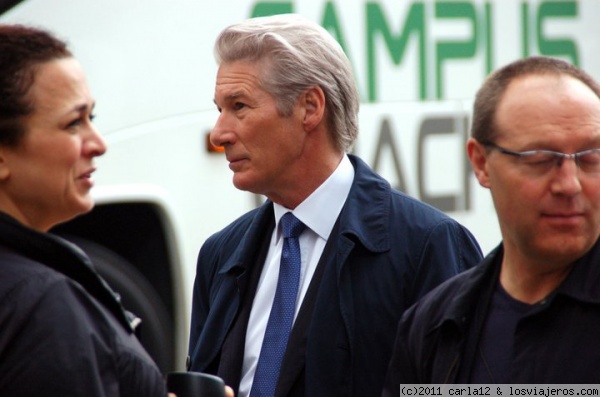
point(542, 161)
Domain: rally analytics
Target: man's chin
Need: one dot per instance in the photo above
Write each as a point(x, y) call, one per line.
point(241, 182)
point(567, 249)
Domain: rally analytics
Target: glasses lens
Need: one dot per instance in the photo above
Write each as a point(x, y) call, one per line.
point(538, 161)
point(589, 161)
point(538, 158)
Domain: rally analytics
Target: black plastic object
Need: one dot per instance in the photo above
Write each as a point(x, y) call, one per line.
point(195, 384)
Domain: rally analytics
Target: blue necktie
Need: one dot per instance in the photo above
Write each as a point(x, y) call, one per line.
point(282, 311)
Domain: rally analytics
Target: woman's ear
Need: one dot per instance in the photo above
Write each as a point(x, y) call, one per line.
point(478, 158)
point(4, 167)
point(313, 101)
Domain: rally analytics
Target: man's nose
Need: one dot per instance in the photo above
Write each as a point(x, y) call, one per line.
point(566, 179)
point(221, 133)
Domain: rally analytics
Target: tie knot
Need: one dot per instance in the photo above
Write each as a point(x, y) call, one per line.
point(291, 226)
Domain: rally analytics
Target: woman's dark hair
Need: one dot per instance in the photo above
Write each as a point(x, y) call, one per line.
point(22, 50)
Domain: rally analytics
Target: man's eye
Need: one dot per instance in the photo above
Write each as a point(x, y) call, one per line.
point(538, 159)
point(590, 158)
point(239, 105)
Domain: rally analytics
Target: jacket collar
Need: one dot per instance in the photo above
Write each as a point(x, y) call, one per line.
point(366, 212)
point(475, 289)
point(64, 257)
point(467, 310)
point(364, 217)
point(262, 222)
point(479, 283)
point(582, 282)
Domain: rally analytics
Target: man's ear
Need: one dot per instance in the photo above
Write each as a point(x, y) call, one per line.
point(313, 101)
point(478, 158)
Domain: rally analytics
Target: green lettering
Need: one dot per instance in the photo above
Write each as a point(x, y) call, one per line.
point(446, 50)
point(525, 31)
point(489, 42)
point(377, 25)
point(266, 8)
point(331, 22)
point(556, 47)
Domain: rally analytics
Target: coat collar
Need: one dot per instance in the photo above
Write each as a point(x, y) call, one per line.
point(582, 282)
point(364, 217)
point(475, 288)
point(64, 257)
point(478, 283)
point(366, 212)
point(261, 222)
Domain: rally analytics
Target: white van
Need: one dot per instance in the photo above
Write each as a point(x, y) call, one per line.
point(161, 190)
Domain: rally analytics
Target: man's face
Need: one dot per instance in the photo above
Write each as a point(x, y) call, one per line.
point(261, 145)
point(552, 217)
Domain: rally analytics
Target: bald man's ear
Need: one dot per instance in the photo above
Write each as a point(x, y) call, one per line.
point(313, 102)
point(478, 158)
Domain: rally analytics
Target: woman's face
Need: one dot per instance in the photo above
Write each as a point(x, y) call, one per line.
point(46, 178)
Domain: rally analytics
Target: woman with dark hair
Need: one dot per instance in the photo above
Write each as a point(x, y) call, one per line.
point(62, 330)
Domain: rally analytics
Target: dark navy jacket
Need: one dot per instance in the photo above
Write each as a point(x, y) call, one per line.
point(390, 250)
point(62, 330)
point(557, 342)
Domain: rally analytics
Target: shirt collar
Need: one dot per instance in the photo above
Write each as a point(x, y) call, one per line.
point(582, 281)
point(320, 210)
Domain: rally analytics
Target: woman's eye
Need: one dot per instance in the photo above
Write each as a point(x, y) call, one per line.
point(80, 120)
point(75, 123)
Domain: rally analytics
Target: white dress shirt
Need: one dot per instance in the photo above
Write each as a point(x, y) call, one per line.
point(319, 213)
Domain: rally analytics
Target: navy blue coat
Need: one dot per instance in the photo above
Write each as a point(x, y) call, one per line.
point(390, 250)
point(63, 332)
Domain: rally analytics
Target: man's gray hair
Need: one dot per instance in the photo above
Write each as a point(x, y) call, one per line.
point(295, 54)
